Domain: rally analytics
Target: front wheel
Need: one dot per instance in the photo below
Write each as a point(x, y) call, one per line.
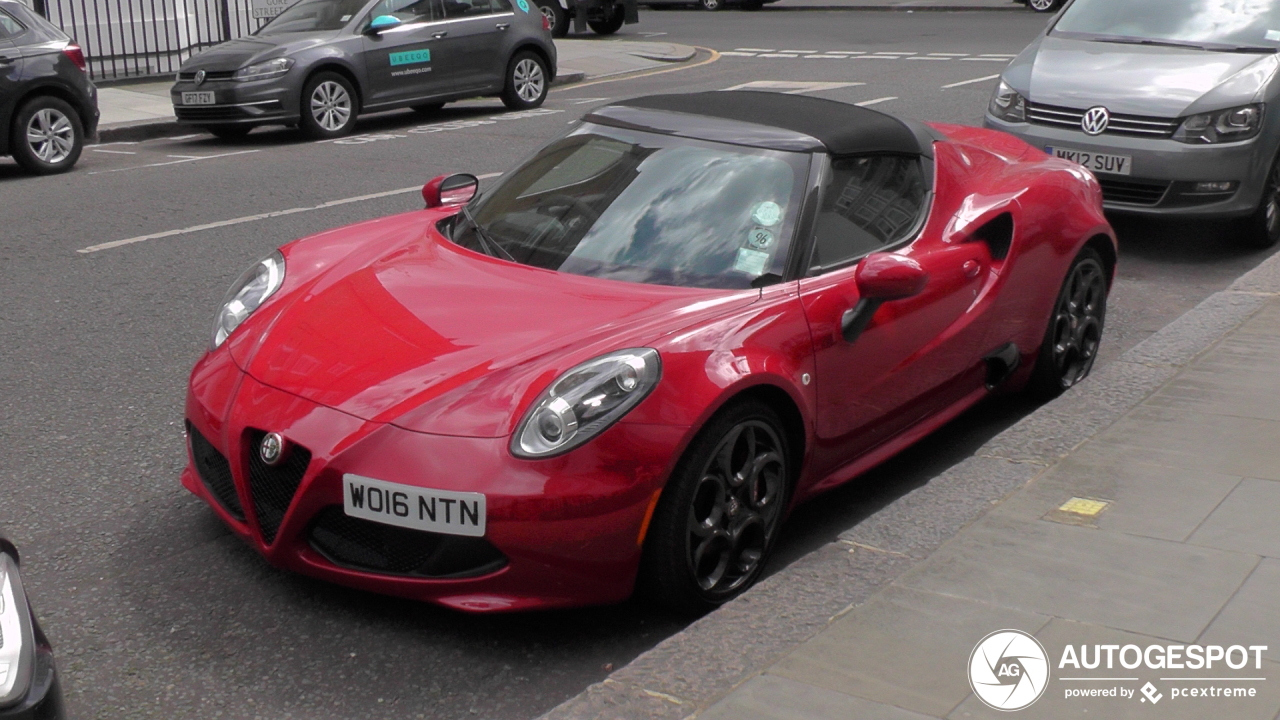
point(1262, 229)
point(526, 85)
point(1044, 6)
point(1071, 341)
point(47, 136)
point(718, 518)
point(328, 106)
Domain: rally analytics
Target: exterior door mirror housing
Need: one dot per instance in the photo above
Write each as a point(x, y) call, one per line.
point(456, 189)
point(381, 23)
point(881, 277)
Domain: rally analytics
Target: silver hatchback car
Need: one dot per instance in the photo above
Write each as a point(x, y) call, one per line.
point(1171, 103)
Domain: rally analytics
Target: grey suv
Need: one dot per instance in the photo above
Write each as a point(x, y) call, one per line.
point(321, 63)
point(48, 106)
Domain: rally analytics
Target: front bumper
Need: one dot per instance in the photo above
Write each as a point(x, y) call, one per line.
point(239, 103)
point(43, 700)
point(567, 529)
point(1165, 171)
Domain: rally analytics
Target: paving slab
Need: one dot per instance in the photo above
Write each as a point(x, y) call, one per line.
point(1086, 574)
point(1210, 442)
point(1245, 521)
point(1252, 614)
point(772, 697)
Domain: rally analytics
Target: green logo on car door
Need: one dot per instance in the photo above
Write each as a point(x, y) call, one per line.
point(410, 57)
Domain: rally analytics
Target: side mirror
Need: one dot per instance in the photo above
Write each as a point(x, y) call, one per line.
point(455, 189)
point(881, 277)
point(382, 22)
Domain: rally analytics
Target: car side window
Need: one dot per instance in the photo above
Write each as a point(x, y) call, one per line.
point(467, 8)
point(870, 203)
point(408, 11)
point(9, 26)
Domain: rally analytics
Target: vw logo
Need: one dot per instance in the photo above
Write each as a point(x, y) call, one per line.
point(271, 449)
point(1008, 670)
point(199, 77)
point(1095, 121)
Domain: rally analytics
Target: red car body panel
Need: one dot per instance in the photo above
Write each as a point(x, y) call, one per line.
point(392, 353)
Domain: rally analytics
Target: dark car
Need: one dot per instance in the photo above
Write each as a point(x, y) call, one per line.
point(29, 688)
point(604, 17)
point(48, 106)
point(321, 63)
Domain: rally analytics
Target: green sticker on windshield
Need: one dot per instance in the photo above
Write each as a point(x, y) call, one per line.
point(410, 57)
point(751, 262)
point(767, 213)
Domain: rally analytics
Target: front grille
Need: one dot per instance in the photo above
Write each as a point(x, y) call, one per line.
point(208, 75)
point(273, 487)
point(1132, 192)
point(386, 549)
point(227, 112)
point(1130, 125)
point(215, 472)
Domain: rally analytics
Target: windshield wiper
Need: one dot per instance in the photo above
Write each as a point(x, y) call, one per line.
point(490, 246)
point(1148, 41)
point(1246, 49)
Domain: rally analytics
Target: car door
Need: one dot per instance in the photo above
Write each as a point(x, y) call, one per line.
point(10, 69)
point(476, 42)
point(916, 355)
point(403, 62)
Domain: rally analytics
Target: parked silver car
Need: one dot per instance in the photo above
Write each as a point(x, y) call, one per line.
point(1171, 103)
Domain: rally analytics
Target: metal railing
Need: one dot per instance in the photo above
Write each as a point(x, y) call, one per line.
point(138, 38)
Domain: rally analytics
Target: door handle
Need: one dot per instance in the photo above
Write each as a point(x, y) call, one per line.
point(438, 35)
point(6, 60)
point(503, 26)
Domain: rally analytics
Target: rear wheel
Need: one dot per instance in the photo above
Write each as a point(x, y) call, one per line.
point(557, 17)
point(329, 106)
point(612, 21)
point(526, 85)
point(716, 522)
point(1262, 228)
point(1044, 5)
point(47, 136)
point(1071, 341)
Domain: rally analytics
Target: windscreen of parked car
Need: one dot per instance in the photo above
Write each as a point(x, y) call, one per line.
point(642, 207)
point(313, 16)
point(1248, 25)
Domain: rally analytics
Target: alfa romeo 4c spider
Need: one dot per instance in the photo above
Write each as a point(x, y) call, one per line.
point(621, 365)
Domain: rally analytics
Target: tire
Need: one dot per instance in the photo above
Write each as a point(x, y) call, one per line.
point(709, 540)
point(1071, 340)
point(329, 106)
point(1261, 230)
point(1044, 6)
point(428, 108)
point(711, 5)
point(610, 23)
point(557, 16)
point(527, 83)
point(47, 136)
point(752, 4)
point(228, 132)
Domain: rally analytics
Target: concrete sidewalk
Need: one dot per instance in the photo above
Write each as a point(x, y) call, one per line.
point(1139, 509)
point(146, 108)
point(900, 5)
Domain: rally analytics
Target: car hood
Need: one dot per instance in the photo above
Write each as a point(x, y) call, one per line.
point(1144, 80)
point(411, 329)
point(235, 54)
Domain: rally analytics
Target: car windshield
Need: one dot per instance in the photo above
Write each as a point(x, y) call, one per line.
point(313, 16)
point(643, 207)
point(1249, 25)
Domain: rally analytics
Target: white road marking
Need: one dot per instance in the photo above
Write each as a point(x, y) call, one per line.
point(993, 55)
point(949, 54)
point(734, 53)
point(799, 52)
point(791, 87)
point(652, 34)
point(172, 162)
point(875, 57)
point(757, 50)
point(984, 78)
point(894, 52)
point(186, 157)
point(776, 55)
point(845, 52)
point(987, 59)
point(584, 101)
point(928, 57)
point(254, 218)
point(823, 57)
point(114, 152)
point(877, 101)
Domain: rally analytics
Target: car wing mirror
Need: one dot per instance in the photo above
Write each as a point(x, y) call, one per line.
point(881, 277)
point(457, 189)
point(381, 23)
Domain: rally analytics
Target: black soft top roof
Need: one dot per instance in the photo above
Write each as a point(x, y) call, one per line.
point(841, 128)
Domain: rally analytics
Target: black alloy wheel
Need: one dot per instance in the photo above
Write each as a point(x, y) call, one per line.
point(557, 17)
point(1071, 341)
point(718, 518)
point(1262, 229)
point(47, 136)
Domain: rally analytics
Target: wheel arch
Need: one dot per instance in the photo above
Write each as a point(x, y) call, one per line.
point(60, 92)
point(340, 69)
point(1105, 247)
point(541, 53)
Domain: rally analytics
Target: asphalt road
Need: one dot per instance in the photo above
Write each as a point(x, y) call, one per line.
point(156, 612)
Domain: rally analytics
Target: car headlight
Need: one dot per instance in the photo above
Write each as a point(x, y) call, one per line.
point(264, 70)
point(1238, 123)
point(17, 640)
point(585, 401)
point(247, 294)
point(1007, 104)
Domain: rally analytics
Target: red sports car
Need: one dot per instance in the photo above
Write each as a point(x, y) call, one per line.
point(621, 365)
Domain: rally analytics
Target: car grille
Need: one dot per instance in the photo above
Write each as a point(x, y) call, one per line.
point(1130, 125)
point(273, 487)
point(215, 472)
point(1132, 192)
point(208, 75)
point(364, 545)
